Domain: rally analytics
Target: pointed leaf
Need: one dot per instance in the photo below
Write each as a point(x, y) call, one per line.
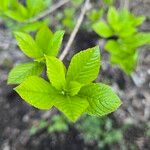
point(43, 38)
point(102, 99)
point(74, 87)
point(84, 66)
point(72, 107)
point(56, 72)
point(37, 92)
point(28, 45)
point(35, 6)
point(20, 72)
point(139, 20)
point(142, 38)
point(19, 13)
point(113, 17)
point(55, 44)
point(30, 27)
point(102, 29)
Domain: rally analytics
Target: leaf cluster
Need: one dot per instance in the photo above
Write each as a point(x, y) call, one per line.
point(15, 12)
point(123, 37)
point(57, 124)
point(101, 131)
point(93, 130)
point(45, 43)
point(70, 90)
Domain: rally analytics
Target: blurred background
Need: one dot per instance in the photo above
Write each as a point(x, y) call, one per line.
point(23, 127)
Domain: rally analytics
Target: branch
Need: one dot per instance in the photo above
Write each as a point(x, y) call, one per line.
point(49, 11)
point(124, 4)
point(75, 31)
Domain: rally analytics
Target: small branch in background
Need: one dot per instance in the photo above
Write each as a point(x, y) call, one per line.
point(124, 4)
point(76, 29)
point(49, 11)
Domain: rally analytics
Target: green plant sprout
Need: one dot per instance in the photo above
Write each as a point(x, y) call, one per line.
point(70, 90)
point(58, 124)
point(102, 131)
point(45, 43)
point(17, 16)
point(98, 131)
point(94, 15)
point(123, 37)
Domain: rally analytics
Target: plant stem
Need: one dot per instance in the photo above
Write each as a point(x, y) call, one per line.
point(124, 4)
point(76, 29)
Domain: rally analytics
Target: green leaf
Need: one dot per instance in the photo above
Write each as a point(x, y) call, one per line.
point(43, 38)
point(56, 72)
point(113, 18)
point(127, 63)
point(14, 15)
point(84, 66)
point(102, 99)
point(30, 27)
point(37, 92)
point(138, 20)
point(119, 48)
point(141, 38)
point(20, 72)
point(102, 29)
point(72, 107)
point(95, 14)
point(126, 30)
point(4, 5)
point(28, 45)
point(35, 6)
point(113, 47)
point(108, 2)
point(19, 13)
point(55, 44)
point(74, 87)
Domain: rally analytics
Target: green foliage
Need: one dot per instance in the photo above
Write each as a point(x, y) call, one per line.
point(84, 66)
point(37, 92)
point(45, 43)
point(103, 29)
point(66, 19)
point(53, 65)
point(20, 72)
point(95, 14)
point(72, 92)
point(100, 96)
point(58, 124)
point(18, 16)
point(108, 2)
point(101, 130)
point(28, 45)
point(123, 49)
point(41, 125)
